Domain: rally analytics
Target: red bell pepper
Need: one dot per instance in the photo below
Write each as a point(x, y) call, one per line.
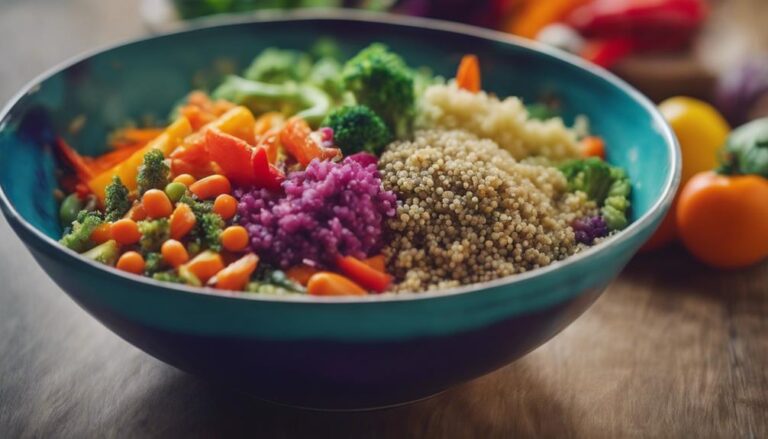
point(265, 175)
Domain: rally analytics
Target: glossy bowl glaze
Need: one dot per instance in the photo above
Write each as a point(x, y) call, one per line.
point(331, 353)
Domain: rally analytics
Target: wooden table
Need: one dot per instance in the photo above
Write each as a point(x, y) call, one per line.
point(670, 350)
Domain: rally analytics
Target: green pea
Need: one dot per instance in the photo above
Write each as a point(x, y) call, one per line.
point(69, 209)
point(175, 191)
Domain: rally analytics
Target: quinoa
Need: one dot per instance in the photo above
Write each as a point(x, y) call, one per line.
point(469, 212)
point(506, 122)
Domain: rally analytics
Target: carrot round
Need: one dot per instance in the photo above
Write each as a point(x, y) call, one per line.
point(326, 283)
point(301, 273)
point(237, 274)
point(125, 231)
point(131, 262)
point(205, 265)
point(593, 146)
point(211, 186)
point(234, 238)
point(174, 253)
point(468, 74)
point(156, 203)
point(185, 179)
point(225, 205)
point(364, 274)
point(182, 221)
point(102, 233)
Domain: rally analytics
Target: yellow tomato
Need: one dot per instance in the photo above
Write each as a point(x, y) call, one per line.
point(701, 131)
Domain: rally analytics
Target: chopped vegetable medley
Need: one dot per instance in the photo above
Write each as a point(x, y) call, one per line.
point(309, 174)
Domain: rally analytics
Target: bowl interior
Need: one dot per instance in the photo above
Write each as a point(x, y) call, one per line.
point(140, 81)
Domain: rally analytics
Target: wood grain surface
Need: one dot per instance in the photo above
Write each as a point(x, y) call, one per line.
point(671, 350)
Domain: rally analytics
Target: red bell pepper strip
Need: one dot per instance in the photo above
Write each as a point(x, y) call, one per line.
point(78, 162)
point(606, 53)
point(265, 175)
point(365, 275)
point(233, 155)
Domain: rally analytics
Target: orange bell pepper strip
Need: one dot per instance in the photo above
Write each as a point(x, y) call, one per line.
point(468, 74)
point(128, 169)
point(377, 262)
point(365, 275)
point(301, 273)
point(296, 138)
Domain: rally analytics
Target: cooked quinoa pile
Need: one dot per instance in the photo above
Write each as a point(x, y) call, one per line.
point(469, 212)
point(506, 122)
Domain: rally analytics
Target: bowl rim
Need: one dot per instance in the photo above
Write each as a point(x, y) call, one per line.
point(670, 184)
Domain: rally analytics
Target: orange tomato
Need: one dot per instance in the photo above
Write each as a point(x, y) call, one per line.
point(723, 220)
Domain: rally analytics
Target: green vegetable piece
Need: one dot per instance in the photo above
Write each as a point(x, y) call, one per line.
point(116, 200)
point(276, 66)
point(167, 276)
point(746, 150)
point(211, 226)
point(380, 80)
point(106, 252)
point(188, 277)
point(357, 129)
point(153, 234)
point(614, 218)
point(325, 75)
point(79, 237)
point(175, 191)
point(153, 263)
point(325, 48)
point(591, 176)
point(541, 111)
point(70, 207)
point(304, 100)
point(153, 172)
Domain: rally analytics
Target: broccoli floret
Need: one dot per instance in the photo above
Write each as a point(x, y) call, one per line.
point(325, 47)
point(607, 185)
point(153, 263)
point(79, 237)
point(380, 80)
point(153, 234)
point(276, 66)
point(167, 276)
point(541, 111)
point(211, 227)
point(116, 201)
point(304, 100)
point(153, 172)
point(106, 252)
point(325, 74)
point(357, 128)
point(591, 176)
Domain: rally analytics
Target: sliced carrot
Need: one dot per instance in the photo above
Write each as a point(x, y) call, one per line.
point(106, 161)
point(364, 274)
point(301, 273)
point(237, 274)
point(326, 283)
point(134, 137)
point(205, 265)
point(378, 262)
point(137, 212)
point(102, 233)
point(226, 206)
point(234, 238)
point(182, 221)
point(157, 204)
point(211, 186)
point(131, 262)
point(125, 231)
point(468, 74)
point(268, 121)
point(174, 253)
point(593, 146)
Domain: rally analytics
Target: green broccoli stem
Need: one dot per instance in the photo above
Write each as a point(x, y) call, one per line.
point(305, 100)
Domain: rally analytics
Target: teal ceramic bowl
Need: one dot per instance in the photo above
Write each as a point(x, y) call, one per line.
point(332, 353)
